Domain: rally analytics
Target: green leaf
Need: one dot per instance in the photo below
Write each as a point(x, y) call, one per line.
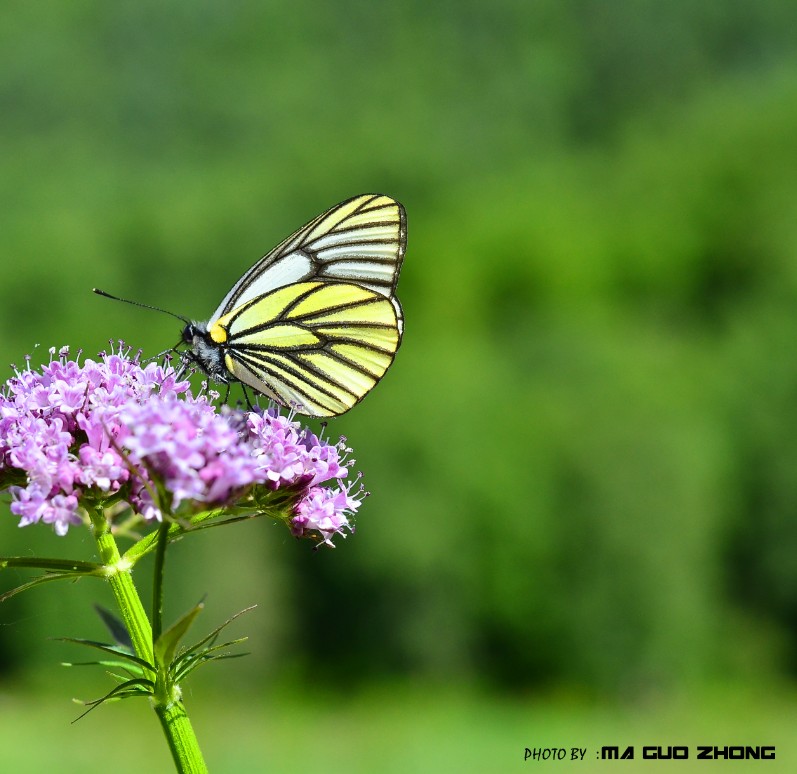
point(135, 669)
point(129, 670)
point(112, 649)
point(215, 633)
point(60, 565)
point(115, 627)
point(121, 678)
point(128, 689)
point(57, 569)
point(166, 644)
point(37, 582)
point(182, 666)
point(197, 654)
point(189, 668)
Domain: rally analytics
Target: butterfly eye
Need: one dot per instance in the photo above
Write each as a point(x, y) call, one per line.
point(188, 333)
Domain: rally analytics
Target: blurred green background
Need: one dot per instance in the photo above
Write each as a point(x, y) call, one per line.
point(582, 529)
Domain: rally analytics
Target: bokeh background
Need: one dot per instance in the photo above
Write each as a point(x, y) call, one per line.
point(583, 522)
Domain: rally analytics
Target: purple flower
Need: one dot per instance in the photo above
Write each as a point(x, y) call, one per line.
point(326, 511)
point(105, 470)
point(29, 503)
point(290, 455)
point(191, 448)
point(61, 513)
point(73, 435)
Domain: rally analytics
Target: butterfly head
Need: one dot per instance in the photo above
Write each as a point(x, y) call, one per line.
point(205, 352)
point(192, 331)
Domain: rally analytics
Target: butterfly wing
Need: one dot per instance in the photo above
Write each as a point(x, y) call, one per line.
point(361, 240)
point(316, 346)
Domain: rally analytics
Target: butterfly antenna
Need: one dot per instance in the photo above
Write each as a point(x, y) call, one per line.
point(138, 303)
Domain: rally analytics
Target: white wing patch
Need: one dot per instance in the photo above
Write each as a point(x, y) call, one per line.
point(360, 233)
point(356, 271)
point(360, 241)
point(290, 268)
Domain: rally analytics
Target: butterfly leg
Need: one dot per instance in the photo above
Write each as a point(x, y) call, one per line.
point(188, 362)
point(246, 395)
point(185, 359)
point(163, 354)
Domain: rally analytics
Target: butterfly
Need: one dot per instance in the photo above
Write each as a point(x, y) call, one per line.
point(315, 323)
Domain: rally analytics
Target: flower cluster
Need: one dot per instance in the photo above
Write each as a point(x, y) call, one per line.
point(79, 435)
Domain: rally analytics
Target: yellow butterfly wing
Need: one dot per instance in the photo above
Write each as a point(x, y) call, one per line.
point(317, 346)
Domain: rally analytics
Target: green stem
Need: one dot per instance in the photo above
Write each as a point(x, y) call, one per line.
point(181, 738)
point(121, 579)
point(157, 585)
point(168, 706)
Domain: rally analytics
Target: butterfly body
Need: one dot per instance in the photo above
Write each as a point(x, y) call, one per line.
point(206, 353)
point(315, 323)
